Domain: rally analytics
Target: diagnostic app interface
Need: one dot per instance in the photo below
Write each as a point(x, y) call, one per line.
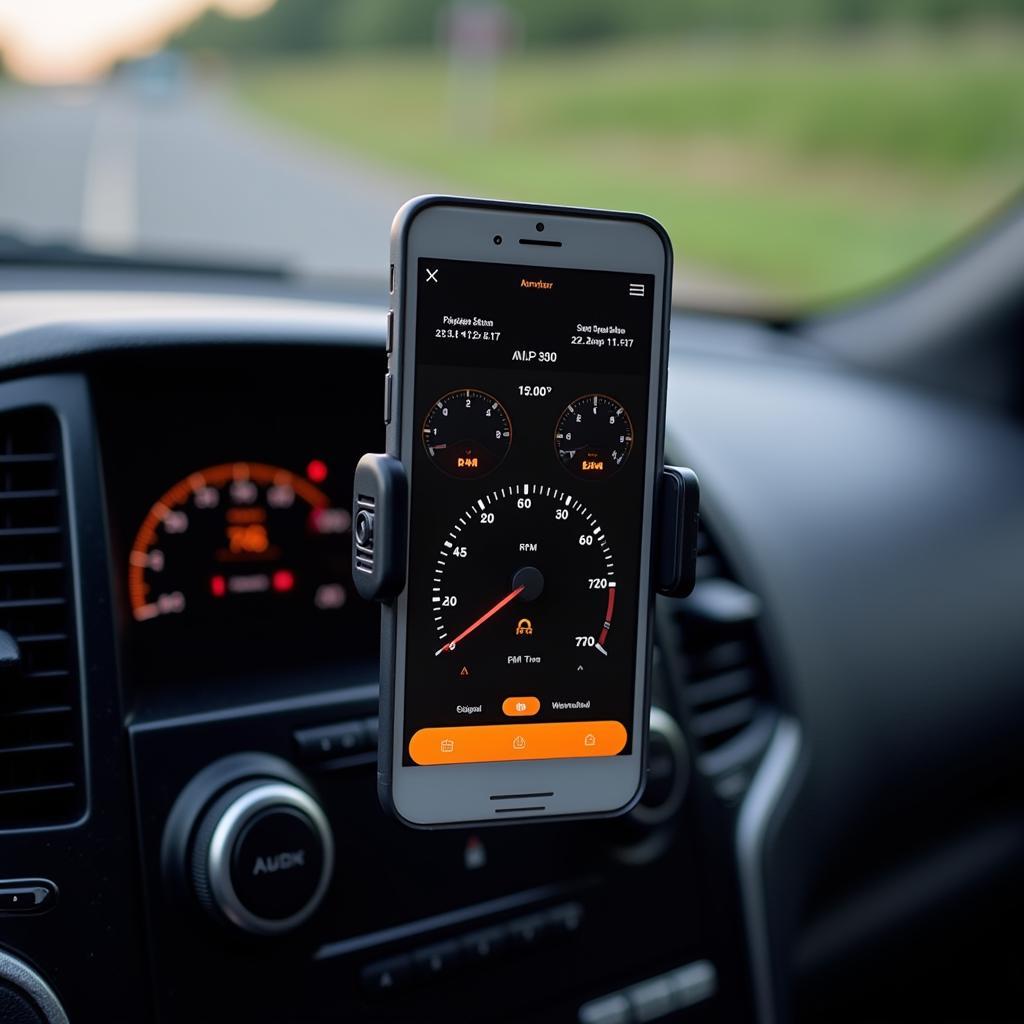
point(528, 467)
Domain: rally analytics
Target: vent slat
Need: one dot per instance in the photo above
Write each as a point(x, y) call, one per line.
point(719, 652)
point(33, 747)
point(727, 719)
point(27, 459)
point(51, 709)
point(728, 686)
point(49, 787)
point(723, 602)
point(41, 769)
point(721, 657)
point(48, 492)
point(32, 602)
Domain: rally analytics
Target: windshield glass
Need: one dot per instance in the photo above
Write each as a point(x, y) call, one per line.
point(796, 152)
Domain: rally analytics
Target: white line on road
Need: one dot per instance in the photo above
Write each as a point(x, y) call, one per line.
point(109, 196)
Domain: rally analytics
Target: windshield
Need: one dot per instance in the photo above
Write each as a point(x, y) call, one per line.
point(795, 152)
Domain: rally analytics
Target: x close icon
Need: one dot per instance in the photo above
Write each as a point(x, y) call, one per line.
point(432, 275)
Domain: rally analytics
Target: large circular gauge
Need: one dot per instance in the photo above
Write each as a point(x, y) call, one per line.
point(244, 536)
point(526, 571)
point(593, 437)
point(467, 433)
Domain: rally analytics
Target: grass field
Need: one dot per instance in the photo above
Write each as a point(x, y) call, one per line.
point(792, 170)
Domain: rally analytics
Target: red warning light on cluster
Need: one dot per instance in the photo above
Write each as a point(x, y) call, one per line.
point(218, 586)
point(283, 580)
point(317, 471)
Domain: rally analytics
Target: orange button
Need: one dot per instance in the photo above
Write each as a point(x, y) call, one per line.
point(467, 744)
point(516, 706)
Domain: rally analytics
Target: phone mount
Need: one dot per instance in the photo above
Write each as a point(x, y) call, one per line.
point(379, 529)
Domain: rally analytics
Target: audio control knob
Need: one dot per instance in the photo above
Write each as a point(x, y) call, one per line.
point(258, 851)
point(25, 997)
point(668, 771)
point(646, 833)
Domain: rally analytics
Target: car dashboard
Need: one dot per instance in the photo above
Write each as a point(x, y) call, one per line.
point(176, 505)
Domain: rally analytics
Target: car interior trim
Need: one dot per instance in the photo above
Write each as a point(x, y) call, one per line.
point(514, 901)
point(21, 976)
point(755, 817)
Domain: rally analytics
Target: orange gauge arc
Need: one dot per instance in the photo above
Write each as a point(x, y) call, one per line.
point(213, 476)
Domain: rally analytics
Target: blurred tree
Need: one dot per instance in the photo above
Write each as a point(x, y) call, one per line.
point(291, 26)
point(357, 25)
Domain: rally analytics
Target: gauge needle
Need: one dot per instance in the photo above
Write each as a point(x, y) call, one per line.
point(483, 618)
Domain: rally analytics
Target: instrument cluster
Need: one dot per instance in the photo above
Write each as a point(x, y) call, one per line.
point(230, 510)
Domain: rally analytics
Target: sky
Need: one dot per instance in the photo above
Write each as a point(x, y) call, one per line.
point(61, 41)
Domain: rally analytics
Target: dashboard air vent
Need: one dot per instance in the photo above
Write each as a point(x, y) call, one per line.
point(717, 653)
point(41, 774)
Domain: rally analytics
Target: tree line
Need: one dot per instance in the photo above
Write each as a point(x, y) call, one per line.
point(303, 26)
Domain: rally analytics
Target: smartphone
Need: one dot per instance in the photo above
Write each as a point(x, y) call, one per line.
point(525, 402)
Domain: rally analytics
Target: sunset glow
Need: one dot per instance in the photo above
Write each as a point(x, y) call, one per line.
point(64, 41)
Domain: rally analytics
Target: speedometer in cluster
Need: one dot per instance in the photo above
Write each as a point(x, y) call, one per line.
point(243, 535)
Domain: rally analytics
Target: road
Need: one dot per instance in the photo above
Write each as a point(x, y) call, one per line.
point(192, 175)
point(188, 175)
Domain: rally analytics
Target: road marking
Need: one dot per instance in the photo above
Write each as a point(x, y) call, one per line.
point(110, 187)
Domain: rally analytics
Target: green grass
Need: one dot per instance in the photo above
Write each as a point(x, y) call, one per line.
point(795, 170)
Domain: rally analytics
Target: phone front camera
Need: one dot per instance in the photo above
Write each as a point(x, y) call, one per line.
point(540, 225)
point(497, 239)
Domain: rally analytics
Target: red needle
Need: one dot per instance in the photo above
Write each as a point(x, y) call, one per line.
point(483, 618)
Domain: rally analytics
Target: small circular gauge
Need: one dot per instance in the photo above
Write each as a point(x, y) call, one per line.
point(467, 433)
point(593, 437)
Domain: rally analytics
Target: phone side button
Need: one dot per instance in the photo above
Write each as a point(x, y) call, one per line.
point(387, 398)
point(389, 344)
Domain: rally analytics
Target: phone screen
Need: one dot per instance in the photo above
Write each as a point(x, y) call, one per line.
point(530, 411)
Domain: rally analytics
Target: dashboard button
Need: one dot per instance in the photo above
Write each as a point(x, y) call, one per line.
point(526, 932)
point(565, 920)
point(335, 740)
point(693, 983)
point(387, 398)
point(651, 999)
point(609, 1010)
point(387, 975)
point(516, 707)
point(482, 946)
point(351, 737)
point(434, 960)
point(27, 896)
